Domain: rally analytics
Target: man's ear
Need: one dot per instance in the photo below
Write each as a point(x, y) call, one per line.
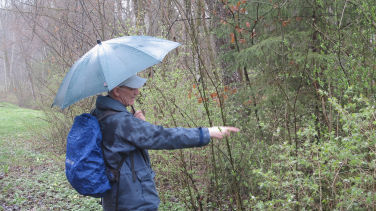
point(115, 92)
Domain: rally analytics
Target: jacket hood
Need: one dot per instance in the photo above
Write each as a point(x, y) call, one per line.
point(104, 103)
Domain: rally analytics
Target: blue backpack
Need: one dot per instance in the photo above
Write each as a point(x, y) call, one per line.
point(85, 165)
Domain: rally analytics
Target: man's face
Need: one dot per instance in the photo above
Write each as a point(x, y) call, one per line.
point(127, 95)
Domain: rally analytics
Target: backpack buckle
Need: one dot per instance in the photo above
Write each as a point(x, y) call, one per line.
point(113, 175)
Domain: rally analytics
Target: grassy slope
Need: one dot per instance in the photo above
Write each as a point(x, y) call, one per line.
point(31, 176)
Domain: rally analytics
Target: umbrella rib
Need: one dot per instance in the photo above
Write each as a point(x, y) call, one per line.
point(144, 52)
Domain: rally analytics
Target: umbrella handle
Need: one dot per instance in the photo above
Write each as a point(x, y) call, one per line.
point(134, 111)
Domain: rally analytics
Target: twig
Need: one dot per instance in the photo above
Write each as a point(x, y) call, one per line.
point(343, 11)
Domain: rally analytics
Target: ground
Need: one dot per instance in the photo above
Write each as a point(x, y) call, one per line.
point(32, 176)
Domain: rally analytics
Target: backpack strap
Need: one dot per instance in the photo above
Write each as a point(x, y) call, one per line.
point(118, 181)
point(116, 172)
point(132, 166)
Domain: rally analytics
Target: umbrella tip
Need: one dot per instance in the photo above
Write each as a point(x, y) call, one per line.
point(99, 42)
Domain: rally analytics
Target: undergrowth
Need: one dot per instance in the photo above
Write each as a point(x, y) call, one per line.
point(32, 176)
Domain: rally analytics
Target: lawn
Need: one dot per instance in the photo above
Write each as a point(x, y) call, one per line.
point(32, 176)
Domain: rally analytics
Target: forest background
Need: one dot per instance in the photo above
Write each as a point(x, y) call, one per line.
point(297, 76)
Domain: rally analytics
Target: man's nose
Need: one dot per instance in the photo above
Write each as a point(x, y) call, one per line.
point(136, 91)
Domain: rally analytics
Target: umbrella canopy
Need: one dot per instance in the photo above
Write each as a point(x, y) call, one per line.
point(108, 64)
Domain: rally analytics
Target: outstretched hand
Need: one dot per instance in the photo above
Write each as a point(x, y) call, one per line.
point(221, 131)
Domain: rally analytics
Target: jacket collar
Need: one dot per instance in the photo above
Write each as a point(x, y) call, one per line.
point(107, 103)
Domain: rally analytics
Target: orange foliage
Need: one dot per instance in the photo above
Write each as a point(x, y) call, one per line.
point(213, 95)
point(226, 89)
point(284, 23)
point(200, 99)
point(234, 8)
point(238, 29)
point(232, 37)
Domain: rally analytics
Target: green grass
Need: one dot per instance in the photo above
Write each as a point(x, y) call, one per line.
point(32, 176)
point(16, 121)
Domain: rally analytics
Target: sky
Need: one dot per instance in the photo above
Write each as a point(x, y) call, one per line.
point(2, 3)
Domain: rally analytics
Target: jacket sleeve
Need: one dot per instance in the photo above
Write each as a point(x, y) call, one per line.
point(145, 135)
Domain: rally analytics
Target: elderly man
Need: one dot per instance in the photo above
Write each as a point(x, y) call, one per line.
point(126, 139)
